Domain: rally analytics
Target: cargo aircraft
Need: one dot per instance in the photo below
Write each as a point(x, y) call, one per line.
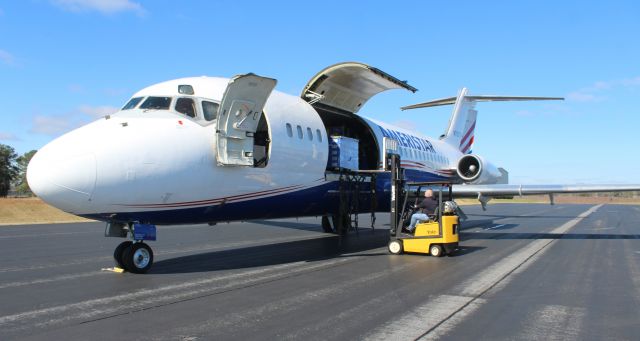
point(207, 150)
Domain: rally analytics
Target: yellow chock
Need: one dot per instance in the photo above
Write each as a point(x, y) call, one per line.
point(114, 269)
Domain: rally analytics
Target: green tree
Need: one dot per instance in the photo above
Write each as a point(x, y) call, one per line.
point(22, 186)
point(8, 168)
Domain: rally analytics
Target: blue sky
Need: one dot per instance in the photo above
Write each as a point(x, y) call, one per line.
point(65, 62)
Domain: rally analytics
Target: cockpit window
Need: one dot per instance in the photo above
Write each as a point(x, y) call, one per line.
point(186, 106)
point(132, 103)
point(210, 110)
point(161, 103)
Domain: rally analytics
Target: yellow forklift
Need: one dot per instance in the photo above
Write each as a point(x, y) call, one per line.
point(439, 235)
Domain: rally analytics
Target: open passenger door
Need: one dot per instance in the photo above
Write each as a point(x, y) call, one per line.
point(238, 118)
point(348, 86)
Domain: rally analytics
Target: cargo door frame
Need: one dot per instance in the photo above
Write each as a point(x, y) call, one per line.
point(342, 89)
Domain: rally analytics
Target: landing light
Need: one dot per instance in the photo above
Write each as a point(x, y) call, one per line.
point(185, 89)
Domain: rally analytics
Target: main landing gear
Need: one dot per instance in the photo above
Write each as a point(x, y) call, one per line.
point(134, 256)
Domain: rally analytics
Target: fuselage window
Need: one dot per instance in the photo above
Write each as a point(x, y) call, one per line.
point(160, 103)
point(210, 110)
point(318, 135)
point(186, 106)
point(289, 130)
point(309, 134)
point(132, 103)
point(299, 132)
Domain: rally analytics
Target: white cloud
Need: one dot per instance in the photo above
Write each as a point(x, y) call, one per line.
point(6, 57)
point(98, 111)
point(54, 125)
point(57, 124)
point(4, 136)
point(631, 82)
point(582, 96)
point(593, 92)
point(102, 6)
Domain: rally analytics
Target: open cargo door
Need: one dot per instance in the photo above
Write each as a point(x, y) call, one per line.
point(240, 112)
point(348, 86)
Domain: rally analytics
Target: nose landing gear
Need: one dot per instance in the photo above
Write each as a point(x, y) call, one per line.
point(133, 256)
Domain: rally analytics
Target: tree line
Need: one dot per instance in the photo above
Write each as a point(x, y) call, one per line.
point(13, 171)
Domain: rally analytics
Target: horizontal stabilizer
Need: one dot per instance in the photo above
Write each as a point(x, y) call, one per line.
point(452, 100)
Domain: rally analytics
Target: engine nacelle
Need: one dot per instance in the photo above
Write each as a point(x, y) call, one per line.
point(473, 169)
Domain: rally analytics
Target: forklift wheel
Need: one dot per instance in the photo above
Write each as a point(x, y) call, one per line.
point(395, 247)
point(436, 250)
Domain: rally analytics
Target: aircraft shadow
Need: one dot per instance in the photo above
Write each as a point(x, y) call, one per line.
point(280, 253)
point(364, 225)
point(289, 224)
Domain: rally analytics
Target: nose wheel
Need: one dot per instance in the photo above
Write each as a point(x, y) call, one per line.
point(134, 257)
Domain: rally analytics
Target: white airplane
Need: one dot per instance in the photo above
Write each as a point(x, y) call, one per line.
point(205, 150)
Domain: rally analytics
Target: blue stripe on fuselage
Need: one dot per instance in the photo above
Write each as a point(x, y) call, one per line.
point(314, 201)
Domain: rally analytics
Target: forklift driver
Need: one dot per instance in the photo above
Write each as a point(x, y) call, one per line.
point(427, 208)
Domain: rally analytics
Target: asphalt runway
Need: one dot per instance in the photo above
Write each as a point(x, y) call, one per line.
point(569, 272)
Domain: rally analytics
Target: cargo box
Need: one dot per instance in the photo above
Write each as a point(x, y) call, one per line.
point(343, 153)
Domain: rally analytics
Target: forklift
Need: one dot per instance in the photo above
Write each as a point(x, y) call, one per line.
point(439, 235)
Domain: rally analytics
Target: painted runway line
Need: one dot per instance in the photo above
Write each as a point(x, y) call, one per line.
point(438, 316)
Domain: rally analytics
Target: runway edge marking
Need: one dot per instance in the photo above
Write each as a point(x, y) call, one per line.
point(426, 322)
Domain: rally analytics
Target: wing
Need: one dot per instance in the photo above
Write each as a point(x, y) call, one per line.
point(484, 193)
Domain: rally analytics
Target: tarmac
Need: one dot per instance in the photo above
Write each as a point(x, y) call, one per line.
point(523, 271)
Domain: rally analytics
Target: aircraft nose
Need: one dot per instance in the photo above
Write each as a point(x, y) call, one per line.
point(63, 176)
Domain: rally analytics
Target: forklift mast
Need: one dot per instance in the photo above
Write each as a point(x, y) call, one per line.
point(397, 188)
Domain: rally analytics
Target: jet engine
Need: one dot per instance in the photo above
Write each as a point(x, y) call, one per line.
point(473, 169)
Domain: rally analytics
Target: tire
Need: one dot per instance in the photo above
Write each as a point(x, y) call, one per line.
point(395, 247)
point(119, 252)
point(436, 250)
point(138, 258)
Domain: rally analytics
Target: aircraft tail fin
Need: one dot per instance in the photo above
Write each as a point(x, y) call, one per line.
point(461, 130)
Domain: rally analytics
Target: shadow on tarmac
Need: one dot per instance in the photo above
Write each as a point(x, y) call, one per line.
point(579, 236)
point(289, 224)
point(497, 216)
point(486, 224)
point(273, 254)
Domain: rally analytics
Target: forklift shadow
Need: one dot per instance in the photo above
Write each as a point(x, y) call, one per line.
point(308, 250)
